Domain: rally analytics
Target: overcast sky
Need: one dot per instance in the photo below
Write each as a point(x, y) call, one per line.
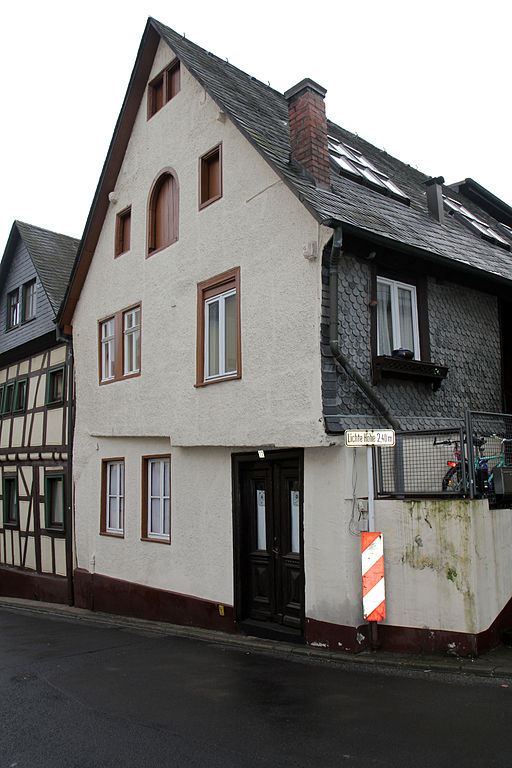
point(428, 82)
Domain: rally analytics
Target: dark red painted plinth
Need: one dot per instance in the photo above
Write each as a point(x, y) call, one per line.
point(18, 582)
point(103, 593)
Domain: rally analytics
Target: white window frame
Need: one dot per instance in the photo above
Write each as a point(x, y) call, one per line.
point(29, 299)
point(13, 308)
point(165, 466)
point(220, 299)
point(131, 338)
point(394, 285)
point(108, 342)
point(118, 497)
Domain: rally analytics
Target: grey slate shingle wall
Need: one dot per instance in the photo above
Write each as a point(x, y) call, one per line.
point(464, 335)
point(21, 271)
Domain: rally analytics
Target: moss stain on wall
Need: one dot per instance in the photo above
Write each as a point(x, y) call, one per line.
point(450, 554)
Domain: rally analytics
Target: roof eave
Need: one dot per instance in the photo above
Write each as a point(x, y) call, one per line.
point(110, 171)
point(412, 250)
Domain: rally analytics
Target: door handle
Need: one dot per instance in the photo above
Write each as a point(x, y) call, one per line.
point(275, 550)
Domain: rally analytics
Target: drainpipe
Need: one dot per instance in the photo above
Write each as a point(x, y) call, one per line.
point(376, 403)
point(69, 521)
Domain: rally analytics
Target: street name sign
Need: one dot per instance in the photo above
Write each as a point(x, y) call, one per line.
point(377, 437)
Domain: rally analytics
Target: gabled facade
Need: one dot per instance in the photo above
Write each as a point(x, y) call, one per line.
point(35, 396)
point(253, 281)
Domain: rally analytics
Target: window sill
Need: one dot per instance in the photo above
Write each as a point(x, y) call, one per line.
point(205, 382)
point(387, 366)
point(112, 534)
point(151, 251)
point(208, 202)
point(126, 376)
point(154, 540)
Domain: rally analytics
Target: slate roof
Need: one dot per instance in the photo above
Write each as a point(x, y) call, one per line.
point(52, 255)
point(261, 114)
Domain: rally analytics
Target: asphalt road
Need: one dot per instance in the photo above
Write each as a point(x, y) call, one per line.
point(74, 693)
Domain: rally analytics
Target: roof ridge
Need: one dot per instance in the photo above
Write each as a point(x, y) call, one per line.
point(18, 223)
point(222, 61)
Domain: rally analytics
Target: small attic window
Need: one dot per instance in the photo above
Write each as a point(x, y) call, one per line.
point(350, 161)
point(473, 222)
point(123, 231)
point(210, 176)
point(163, 88)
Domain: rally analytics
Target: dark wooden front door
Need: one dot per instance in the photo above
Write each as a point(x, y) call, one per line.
point(268, 542)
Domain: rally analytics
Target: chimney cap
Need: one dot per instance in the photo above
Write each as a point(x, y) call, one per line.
point(302, 86)
point(434, 180)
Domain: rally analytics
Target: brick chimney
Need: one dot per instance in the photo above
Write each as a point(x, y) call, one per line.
point(308, 129)
point(435, 205)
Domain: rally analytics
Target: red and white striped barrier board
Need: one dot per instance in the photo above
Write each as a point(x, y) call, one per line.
point(372, 566)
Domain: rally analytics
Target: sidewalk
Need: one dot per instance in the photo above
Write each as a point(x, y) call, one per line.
point(497, 663)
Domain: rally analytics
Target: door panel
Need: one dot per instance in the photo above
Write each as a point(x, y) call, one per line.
point(270, 578)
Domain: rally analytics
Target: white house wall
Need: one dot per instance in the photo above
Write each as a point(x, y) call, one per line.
point(257, 225)
point(447, 563)
point(199, 560)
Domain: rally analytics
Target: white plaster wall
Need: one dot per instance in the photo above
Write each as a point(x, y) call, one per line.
point(199, 559)
point(257, 225)
point(334, 478)
point(447, 563)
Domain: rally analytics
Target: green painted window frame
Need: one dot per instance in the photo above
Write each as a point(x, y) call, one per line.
point(8, 389)
point(2, 390)
point(8, 479)
point(20, 407)
point(51, 525)
point(49, 376)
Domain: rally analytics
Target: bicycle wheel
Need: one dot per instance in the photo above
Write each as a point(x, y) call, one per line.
point(452, 480)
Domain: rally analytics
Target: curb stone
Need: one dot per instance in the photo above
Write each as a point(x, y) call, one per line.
point(495, 664)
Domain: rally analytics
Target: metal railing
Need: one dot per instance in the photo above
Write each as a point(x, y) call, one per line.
point(489, 453)
point(418, 466)
point(445, 462)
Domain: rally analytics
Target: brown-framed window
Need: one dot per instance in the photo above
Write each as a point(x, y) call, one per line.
point(54, 501)
point(163, 88)
point(10, 500)
point(163, 212)
point(112, 497)
point(13, 309)
point(119, 343)
point(156, 498)
point(210, 176)
point(219, 355)
point(123, 231)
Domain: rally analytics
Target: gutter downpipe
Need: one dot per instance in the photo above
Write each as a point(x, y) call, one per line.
point(69, 517)
point(336, 251)
point(377, 404)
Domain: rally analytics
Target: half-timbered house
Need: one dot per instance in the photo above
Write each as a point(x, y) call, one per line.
point(35, 398)
point(253, 281)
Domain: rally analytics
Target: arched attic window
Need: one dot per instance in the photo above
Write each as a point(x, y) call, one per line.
point(163, 212)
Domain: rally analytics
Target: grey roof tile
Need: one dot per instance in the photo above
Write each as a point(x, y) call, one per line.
point(52, 255)
point(261, 113)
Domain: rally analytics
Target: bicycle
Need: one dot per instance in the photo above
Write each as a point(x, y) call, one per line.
point(457, 480)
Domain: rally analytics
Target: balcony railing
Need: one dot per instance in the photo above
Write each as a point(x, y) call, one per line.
point(443, 463)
